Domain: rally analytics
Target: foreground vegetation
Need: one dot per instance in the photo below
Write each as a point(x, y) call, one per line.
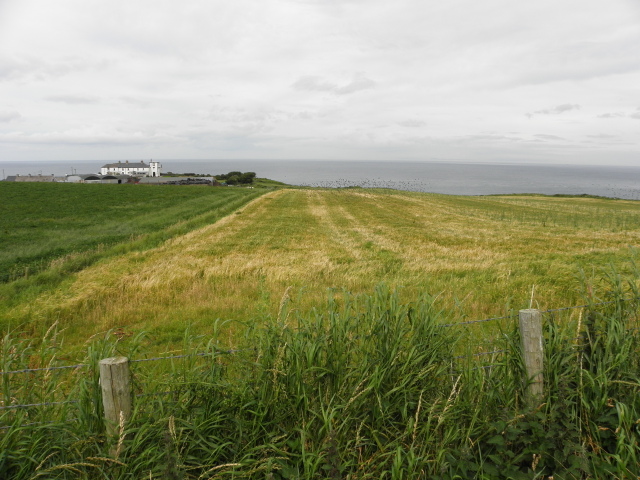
point(367, 387)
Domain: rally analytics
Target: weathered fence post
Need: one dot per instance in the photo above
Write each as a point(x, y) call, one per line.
point(115, 382)
point(532, 352)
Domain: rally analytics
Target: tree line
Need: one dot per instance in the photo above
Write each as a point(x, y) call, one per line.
point(237, 178)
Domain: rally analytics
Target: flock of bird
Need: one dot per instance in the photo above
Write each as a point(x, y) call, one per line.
point(611, 191)
point(408, 185)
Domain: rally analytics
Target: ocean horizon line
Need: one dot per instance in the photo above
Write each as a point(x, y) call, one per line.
point(456, 178)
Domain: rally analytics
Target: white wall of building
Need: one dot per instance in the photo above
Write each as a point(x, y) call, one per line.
point(154, 169)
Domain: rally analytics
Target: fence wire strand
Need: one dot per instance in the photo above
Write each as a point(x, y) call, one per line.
point(157, 394)
point(200, 354)
point(7, 427)
point(45, 404)
point(482, 353)
point(551, 310)
point(477, 321)
point(153, 359)
point(44, 369)
point(234, 351)
point(81, 365)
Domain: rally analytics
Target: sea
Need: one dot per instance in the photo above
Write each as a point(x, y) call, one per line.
point(455, 178)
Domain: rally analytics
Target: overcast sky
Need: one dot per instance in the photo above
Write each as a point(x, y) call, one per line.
point(491, 80)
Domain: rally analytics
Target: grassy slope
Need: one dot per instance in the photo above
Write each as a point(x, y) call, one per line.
point(41, 222)
point(65, 228)
point(482, 253)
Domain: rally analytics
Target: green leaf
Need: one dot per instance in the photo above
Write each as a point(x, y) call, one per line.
point(496, 440)
point(490, 470)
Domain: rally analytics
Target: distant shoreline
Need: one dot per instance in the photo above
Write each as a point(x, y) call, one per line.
point(461, 178)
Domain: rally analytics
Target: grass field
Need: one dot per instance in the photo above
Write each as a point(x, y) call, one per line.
point(318, 317)
point(483, 255)
point(41, 222)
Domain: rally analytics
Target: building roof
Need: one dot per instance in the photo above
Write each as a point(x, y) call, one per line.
point(98, 176)
point(173, 179)
point(126, 165)
point(35, 178)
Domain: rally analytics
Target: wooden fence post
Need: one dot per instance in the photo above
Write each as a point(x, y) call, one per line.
point(532, 352)
point(115, 382)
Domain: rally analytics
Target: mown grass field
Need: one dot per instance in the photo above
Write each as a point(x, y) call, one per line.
point(484, 255)
point(42, 222)
point(310, 330)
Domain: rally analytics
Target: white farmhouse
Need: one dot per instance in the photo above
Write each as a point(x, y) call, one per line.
point(139, 169)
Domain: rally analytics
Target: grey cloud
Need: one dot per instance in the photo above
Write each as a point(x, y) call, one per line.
point(303, 115)
point(6, 117)
point(247, 121)
point(544, 136)
point(38, 70)
point(565, 107)
point(611, 115)
point(309, 82)
point(557, 110)
point(249, 128)
point(72, 99)
point(242, 114)
point(77, 138)
point(412, 123)
point(318, 84)
point(490, 137)
point(583, 60)
point(602, 136)
point(306, 115)
point(10, 68)
point(604, 139)
point(635, 115)
point(359, 83)
point(135, 101)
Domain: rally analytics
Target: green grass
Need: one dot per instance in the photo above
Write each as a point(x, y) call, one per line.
point(267, 183)
point(349, 373)
point(484, 256)
point(41, 223)
point(364, 387)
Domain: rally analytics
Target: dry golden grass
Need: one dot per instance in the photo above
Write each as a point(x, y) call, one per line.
point(484, 253)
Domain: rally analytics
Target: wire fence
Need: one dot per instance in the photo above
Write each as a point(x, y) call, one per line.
point(493, 354)
point(153, 359)
point(44, 369)
point(234, 351)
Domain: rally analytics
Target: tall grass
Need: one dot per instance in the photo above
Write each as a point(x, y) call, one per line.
point(369, 386)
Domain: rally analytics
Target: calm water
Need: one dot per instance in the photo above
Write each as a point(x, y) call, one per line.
point(451, 178)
